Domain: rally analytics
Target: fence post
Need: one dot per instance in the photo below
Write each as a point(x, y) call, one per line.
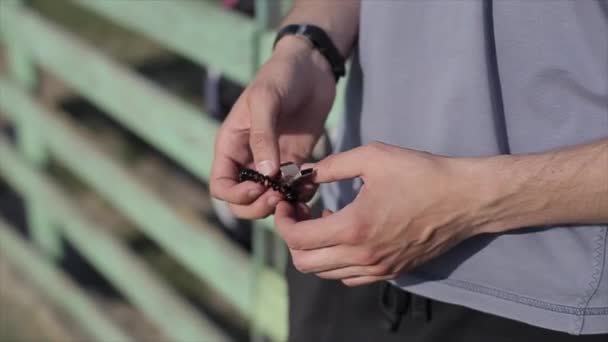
point(29, 140)
point(267, 15)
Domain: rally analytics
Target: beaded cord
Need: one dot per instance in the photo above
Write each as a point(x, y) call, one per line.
point(276, 184)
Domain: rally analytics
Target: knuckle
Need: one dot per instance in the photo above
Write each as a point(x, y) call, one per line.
point(259, 138)
point(291, 241)
point(375, 147)
point(381, 270)
point(370, 148)
point(293, 244)
point(300, 265)
point(357, 234)
point(368, 257)
point(352, 236)
point(264, 92)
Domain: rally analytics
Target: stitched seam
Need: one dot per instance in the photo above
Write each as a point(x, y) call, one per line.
point(594, 282)
point(513, 297)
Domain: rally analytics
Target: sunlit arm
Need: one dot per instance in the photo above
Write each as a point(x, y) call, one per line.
point(565, 186)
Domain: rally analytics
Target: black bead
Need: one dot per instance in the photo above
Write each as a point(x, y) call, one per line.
point(286, 190)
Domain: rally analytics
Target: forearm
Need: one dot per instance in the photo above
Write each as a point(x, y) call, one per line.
point(339, 18)
point(566, 186)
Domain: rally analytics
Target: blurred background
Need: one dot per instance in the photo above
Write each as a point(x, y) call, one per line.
point(108, 113)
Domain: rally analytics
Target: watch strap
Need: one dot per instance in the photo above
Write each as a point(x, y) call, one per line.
point(321, 41)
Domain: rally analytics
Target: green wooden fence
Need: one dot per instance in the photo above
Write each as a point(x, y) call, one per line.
point(197, 31)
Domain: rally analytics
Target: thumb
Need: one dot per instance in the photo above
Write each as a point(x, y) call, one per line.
point(339, 166)
point(264, 106)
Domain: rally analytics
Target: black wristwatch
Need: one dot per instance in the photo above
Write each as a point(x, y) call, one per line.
point(321, 41)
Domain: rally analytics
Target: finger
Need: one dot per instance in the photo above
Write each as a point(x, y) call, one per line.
point(344, 165)
point(225, 186)
point(322, 232)
point(330, 259)
point(260, 208)
point(285, 214)
point(293, 213)
point(354, 271)
point(326, 212)
point(366, 280)
point(264, 106)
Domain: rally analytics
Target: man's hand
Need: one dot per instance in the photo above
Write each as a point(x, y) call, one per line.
point(413, 206)
point(279, 117)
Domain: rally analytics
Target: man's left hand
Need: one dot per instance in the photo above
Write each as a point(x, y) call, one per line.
point(412, 207)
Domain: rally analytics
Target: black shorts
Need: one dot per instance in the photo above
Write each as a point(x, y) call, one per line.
point(327, 311)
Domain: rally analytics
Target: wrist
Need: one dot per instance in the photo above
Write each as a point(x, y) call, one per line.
point(339, 19)
point(506, 193)
point(478, 189)
point(299, 48)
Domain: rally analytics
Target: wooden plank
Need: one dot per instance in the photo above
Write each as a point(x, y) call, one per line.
point(19, 62)
point(268, 13)
point(44, 232)
point(123, 269)
point(178, 129)
point(30, 304)
point(263, 318)
point(259, 253)
point(61, 290)
point(273, 323)
point(23, 71)
point(203, 250)
point(199, 30)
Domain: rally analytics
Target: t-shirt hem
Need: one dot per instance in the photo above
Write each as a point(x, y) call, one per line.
point(506, 304)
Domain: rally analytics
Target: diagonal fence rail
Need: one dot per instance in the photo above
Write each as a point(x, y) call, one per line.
point(197, 31)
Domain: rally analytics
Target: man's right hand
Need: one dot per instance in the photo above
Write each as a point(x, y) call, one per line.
point(278, 118)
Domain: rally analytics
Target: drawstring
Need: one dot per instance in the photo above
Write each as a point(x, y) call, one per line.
point(421, 308)
point(395, 303)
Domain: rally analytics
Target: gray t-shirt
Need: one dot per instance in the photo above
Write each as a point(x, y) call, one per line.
point(473, 78)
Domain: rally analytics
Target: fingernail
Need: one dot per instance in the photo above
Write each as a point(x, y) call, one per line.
point(265, 167)
point(254, 193)
point(307, 166)
point(272, 201)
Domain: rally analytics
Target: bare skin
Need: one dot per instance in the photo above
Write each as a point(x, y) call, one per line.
point(414, 206)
